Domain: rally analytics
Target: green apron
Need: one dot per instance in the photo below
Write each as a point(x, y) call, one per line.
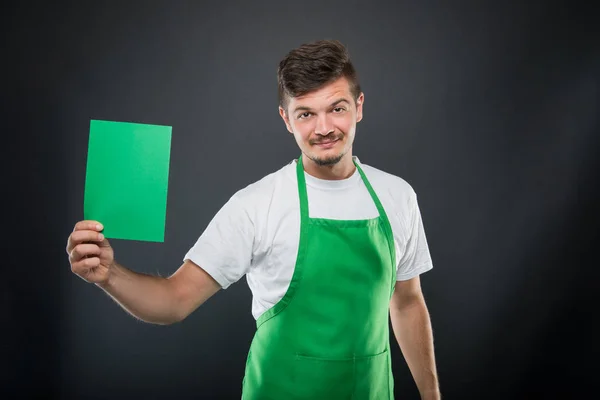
point(328, 337)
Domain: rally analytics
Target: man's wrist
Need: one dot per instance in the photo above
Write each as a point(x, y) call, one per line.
point(109, 282)
point(431, 394)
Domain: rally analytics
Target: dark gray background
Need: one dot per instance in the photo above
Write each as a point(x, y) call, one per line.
point(488, 109)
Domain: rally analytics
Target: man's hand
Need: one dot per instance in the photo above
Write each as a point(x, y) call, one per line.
point(90, 255)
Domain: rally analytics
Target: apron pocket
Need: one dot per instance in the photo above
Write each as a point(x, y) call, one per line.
point(322, 378)
point(364, 378)
point(373, 378)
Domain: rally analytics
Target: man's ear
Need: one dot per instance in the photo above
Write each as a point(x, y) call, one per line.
point(286, 119)
point(359, 107)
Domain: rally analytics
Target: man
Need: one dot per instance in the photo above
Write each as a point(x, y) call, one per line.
point(329, 246)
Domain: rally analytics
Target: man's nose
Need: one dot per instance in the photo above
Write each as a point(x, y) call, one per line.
point(324, 125)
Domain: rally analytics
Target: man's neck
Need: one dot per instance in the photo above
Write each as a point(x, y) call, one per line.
point(341, 170)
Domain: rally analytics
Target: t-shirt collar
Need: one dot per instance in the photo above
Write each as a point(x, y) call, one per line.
point(327, 184)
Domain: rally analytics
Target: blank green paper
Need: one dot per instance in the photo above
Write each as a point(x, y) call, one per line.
point(127, 178)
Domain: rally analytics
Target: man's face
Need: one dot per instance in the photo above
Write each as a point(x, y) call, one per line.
point(323, 122)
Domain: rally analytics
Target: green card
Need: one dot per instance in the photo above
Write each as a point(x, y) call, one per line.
point(127, 179)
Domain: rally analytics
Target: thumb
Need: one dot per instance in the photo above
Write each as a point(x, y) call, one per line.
point(104, 243)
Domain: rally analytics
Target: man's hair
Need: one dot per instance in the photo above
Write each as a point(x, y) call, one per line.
point(313, 65)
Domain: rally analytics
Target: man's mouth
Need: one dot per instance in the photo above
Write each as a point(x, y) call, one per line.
point(325, 143)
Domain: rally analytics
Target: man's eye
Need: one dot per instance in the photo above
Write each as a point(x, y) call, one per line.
point(304, 115)
point(338, 109)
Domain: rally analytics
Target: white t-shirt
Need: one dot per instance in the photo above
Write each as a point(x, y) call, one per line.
point(257, 232)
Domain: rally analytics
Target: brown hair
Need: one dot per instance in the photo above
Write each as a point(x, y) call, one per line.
point(312, 65)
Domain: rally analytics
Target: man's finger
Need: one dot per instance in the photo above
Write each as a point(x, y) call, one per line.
point(78, 237)
point(85, 264)
point(88, 225)
point(86, 236)
point(83, 250)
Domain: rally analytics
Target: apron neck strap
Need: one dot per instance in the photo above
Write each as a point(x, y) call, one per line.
point(304, 197)
point(302, 190)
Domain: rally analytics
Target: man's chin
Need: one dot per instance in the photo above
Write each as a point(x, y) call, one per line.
point(327, 160)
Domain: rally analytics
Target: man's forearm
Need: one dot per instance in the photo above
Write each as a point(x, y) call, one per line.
point(412, 328)
point(146, 297)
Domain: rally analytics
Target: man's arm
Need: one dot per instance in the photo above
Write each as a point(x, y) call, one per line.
point(150, 298)
point(159, 300)
point(412, 328)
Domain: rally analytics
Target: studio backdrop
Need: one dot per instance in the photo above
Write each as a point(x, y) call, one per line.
point(488, 110)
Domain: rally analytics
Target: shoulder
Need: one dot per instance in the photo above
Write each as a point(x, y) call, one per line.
point(263, 189)
point(400, 191)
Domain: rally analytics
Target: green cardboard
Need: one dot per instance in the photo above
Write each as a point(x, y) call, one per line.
point(127, 179)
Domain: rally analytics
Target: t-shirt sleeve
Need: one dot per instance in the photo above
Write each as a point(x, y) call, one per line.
point(416, 258)
point(224, 250)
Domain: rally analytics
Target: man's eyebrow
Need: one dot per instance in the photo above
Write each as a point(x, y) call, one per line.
point(338, 101)
point(335, 103)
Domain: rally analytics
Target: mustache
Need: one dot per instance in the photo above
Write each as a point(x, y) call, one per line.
point(326, 139)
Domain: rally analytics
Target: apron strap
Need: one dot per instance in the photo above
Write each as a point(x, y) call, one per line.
point(386, 223)
point(302, 192)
